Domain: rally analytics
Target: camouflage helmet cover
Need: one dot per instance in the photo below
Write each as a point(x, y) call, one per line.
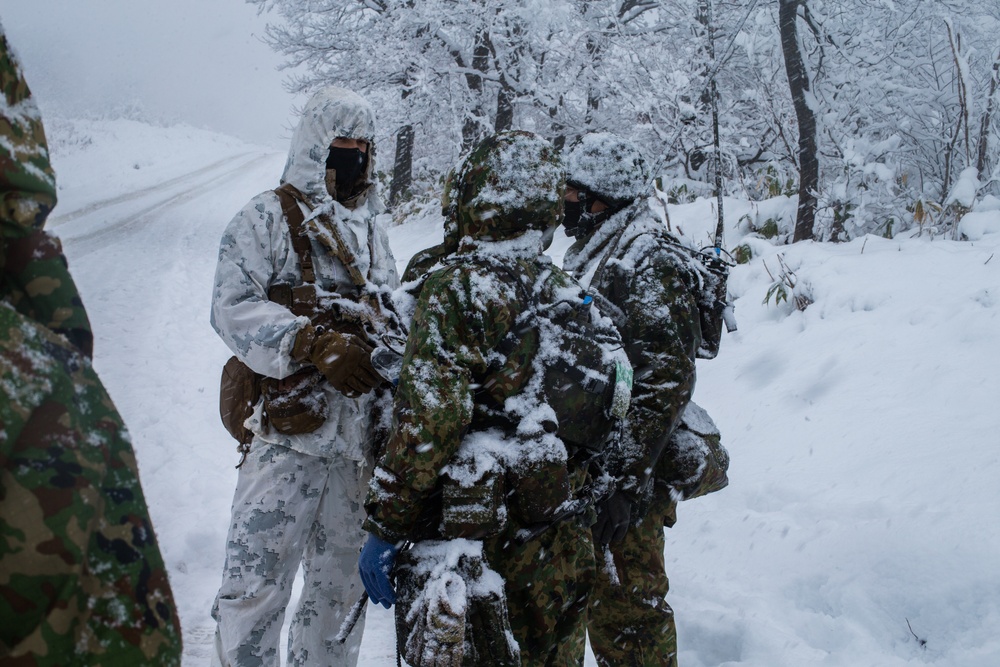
point(509, 183)
point(610, 167)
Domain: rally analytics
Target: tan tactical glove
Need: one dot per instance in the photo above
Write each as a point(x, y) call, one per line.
point(344, 359)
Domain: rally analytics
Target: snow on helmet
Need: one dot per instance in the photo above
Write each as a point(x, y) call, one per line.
point(510, 183)
point(610, 167)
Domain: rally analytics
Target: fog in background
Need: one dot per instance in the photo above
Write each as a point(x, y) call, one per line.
point(199, 62)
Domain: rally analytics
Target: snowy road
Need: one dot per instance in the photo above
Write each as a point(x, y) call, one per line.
point(92, 226)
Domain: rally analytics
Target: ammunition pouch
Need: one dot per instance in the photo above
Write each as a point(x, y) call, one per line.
point(297, 403)
point(538, 490)
point(451, 610)
point(239, 392)
point(473, 510)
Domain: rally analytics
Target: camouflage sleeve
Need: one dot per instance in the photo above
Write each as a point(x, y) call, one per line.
point(80, 569)
point(661, 334)
point(461, 316)
point(424, 261)
point(35, 278)
point(258, 331)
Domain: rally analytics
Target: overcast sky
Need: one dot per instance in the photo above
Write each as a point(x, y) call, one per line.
point(199, 62)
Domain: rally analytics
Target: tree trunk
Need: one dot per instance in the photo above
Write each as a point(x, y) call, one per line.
point(472, 128)
point(798, 84)
point(704, 17)
point(402, 168)
point(557, 129)
point(505, 110)
point(593, 94)
point(984, 128)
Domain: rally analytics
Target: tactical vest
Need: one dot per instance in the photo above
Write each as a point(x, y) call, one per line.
point(297, 404)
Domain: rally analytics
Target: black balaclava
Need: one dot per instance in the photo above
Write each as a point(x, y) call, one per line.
point(349, 164)
point(578, 220)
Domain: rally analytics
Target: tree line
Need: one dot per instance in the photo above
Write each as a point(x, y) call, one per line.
point(879, 115)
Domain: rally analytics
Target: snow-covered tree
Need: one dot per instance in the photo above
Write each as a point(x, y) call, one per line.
point(887, 103)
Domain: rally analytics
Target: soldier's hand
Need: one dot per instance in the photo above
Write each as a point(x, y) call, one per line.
point(613, 519)
point(375, 563)
point(345, 361)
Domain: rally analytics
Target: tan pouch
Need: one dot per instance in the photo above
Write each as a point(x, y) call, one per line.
point(296, 404)
point(239, 392)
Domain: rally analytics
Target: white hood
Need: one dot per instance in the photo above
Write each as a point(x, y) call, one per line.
point(332, 112)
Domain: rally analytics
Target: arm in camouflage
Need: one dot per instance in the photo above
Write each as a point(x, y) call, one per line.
point(425, 260)
point(81, 576)
point(462, 314)
point(662, 332)
point(34, 279)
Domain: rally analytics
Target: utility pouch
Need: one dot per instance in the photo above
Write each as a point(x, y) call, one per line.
point(694, 462)
point(473, 510)
point(538, 490)
point(296, 404)
point(449, 610)
point(239, 392)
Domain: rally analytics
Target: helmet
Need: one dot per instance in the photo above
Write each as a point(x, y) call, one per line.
point(509, 183)
point(609, 167)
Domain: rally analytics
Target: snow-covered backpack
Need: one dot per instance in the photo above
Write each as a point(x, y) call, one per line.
point(586, 378)
point(711, 273)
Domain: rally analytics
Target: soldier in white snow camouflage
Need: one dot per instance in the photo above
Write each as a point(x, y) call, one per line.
point(654, 289)
point(280, 301)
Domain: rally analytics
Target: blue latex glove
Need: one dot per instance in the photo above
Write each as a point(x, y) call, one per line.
point(375, 564)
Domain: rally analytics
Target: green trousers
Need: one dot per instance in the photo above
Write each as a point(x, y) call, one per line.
point(548, 582)
point(629, 621)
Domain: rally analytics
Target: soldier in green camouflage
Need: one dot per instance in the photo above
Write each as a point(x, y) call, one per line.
point(470, 406)
point(82, 581)
point(651, 288)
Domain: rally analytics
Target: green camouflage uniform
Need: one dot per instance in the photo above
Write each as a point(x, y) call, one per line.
point(82, 581)
point(653, 289)
point(34, 278)
point(449, 390)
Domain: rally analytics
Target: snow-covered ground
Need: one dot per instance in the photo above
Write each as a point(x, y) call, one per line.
point(860, 527)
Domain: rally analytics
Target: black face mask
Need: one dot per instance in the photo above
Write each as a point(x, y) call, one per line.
point(571, 217)
point(578, 220)
point(350, 165)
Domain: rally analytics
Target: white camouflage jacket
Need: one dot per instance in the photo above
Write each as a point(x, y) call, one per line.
point(256, 252)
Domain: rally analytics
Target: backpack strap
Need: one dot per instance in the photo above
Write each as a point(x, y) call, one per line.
point(290, 198)
point(295, 219)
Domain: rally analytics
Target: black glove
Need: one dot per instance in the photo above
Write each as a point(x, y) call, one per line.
point(613, 518)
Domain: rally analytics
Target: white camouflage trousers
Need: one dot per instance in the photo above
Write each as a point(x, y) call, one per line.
point(290, 508)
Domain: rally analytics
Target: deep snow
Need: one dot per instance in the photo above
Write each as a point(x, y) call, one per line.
point(862, 515)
